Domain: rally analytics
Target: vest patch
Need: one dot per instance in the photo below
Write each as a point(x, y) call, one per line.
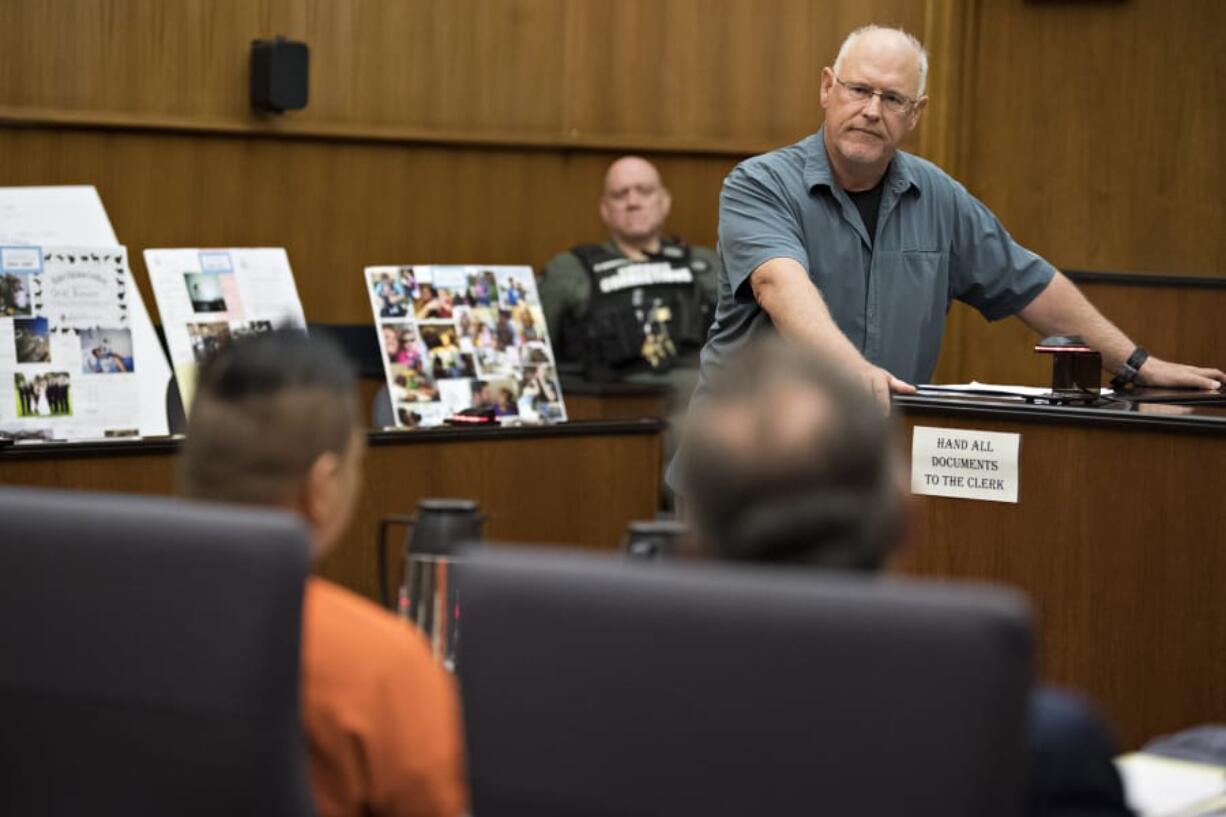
point(645, 275)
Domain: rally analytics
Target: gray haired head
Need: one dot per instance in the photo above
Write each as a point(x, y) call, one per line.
point(910, 39)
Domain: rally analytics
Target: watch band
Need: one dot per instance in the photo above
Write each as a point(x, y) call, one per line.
point(1131, 368)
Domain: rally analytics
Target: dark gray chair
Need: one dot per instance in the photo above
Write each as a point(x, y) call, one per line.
point(149, 657)
point(382, 414)
point(601, 687)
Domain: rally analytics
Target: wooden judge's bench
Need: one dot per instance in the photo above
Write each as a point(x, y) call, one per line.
point(1119, 538)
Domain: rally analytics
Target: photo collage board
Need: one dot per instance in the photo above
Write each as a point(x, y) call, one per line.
point(67, 362)
point(208, 297)
point(455, 338)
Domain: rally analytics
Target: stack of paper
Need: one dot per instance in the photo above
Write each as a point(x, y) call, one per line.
point(1158, 786)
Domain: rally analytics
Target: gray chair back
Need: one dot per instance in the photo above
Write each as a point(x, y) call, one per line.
point(598, 686)
point(149, 657)
point(382, 414)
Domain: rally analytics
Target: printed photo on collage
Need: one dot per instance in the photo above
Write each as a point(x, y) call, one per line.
point(15, 293)
point(458, 338)
point(46, 394)
point(106, 351)
point(33, 340)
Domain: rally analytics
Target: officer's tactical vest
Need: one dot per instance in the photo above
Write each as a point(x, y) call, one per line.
point(642, 316)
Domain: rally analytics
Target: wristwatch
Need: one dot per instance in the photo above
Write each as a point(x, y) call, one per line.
point(1132, 367)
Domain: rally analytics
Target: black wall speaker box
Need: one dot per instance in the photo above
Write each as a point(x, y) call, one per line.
point(279, 70)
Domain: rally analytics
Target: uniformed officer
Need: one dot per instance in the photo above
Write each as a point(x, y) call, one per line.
point(638, 305)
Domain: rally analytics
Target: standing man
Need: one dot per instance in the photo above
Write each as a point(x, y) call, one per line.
point(639, 303)
point(845, 244)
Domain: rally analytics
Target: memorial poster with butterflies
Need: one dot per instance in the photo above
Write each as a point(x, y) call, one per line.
point(67, 362)
point(457, 338)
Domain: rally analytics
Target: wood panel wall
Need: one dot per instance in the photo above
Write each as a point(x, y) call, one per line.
point(1096, 130)
point(725, 75)
point(337, 206)
point(1099, 131)
point(1182, 323)
point(478, 130)
point(467, 131)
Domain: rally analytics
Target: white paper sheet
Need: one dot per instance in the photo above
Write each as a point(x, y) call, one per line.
point(965, 463)
point(1157, 786)
point(975, 387)
point(208, 296)
point(73, 215)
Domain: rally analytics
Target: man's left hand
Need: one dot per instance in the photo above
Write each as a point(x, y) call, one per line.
point(1158, 372)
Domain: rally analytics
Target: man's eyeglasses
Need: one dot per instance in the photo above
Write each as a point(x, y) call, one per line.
point(892, 101)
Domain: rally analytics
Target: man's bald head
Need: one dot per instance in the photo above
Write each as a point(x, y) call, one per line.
point(629, 169)
point(786, 461)
point(634, 204)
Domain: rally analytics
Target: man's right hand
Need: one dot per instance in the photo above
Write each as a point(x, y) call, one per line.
point(881, 384)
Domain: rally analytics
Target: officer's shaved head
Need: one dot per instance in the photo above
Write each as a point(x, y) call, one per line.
point(635, 203)
point(629, 169)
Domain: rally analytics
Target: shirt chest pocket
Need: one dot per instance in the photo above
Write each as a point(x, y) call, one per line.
point(926, 270)
point(915, 282)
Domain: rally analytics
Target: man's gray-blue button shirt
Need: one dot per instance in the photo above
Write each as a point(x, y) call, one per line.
point(888, 293)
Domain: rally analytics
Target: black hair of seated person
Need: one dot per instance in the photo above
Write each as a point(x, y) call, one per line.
point(265, 408)
point(274, 362)
point(788, 461)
